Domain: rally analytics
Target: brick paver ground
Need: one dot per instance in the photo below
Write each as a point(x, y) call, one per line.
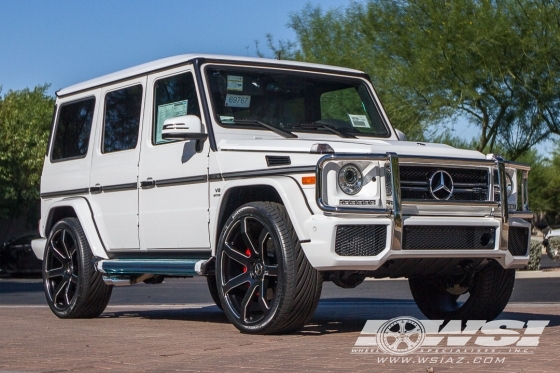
point(199, 338)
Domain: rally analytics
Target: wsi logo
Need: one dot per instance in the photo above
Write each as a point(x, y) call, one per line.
point(406, 335)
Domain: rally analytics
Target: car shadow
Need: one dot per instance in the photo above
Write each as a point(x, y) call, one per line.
point(340, 315)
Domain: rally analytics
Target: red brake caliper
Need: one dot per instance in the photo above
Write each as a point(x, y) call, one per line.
point(247, 253)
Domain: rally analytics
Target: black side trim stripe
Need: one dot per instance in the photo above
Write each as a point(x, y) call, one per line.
point(119, 187)
point(188, 180)
point(182, 180)
point(71, 192)
point(266, 172)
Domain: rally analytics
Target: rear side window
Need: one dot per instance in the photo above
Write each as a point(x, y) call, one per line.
point(73, 130)
point(122, 119)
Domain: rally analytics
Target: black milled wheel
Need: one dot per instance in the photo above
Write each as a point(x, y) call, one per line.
point(265, 282)
point(72, 287)
point(488, 295)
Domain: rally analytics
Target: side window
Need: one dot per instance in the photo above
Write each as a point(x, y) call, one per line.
point(73, 129)
point(122, 119)
point(174, 96)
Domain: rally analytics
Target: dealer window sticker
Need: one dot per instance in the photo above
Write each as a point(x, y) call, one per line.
point(243, 101)
point(359, 121)
point(234, 83)
point(226, 119)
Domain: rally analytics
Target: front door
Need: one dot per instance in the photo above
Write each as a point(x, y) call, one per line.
point(173, 193)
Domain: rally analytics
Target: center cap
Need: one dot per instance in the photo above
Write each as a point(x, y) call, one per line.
point(258, 269)
point(441, 185)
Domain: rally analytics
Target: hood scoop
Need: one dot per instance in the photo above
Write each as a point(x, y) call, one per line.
point(277, 160)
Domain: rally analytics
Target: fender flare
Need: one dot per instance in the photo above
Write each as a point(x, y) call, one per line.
point(84, 214)
point(290, 193)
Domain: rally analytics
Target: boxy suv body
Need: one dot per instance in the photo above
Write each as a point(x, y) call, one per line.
point(268, 177)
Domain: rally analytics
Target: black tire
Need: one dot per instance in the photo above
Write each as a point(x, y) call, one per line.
point(488, 295)
point(72, 287)
point(293, 286)
point(213, 289)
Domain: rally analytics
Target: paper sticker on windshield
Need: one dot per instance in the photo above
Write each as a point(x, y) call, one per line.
point(226, 119)
point(359, 121)
point(238, 100)
point(234, 83)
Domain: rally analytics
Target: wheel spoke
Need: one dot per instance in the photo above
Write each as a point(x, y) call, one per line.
point(54, 272)
point(64, 244)
point(235, 282)
point(58, 255)
point(271, 270)
point(66, 291)
point(74, 279)
point(408, 342)
point(59, 289)
point(236, 255)
point(72, 251)
point(247, 299)
point(246, 238)
point(263, 237)
point(263, 303)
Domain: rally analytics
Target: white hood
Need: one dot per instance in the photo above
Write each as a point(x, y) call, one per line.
point(357, 146)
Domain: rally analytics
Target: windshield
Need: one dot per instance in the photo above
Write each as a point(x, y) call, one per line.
point(293, 101)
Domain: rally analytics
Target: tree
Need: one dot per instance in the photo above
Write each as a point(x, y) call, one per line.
point(494, 62)
point(25, 118)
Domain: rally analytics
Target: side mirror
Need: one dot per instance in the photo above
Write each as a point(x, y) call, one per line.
point(400, 135)
point(184, 127)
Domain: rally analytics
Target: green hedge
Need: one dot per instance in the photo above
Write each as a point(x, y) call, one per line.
point(534, 256)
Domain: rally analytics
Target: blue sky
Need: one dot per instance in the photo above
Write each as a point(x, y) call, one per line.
point(65, 42)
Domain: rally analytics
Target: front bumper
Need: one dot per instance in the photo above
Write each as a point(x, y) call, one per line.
point(321, 250)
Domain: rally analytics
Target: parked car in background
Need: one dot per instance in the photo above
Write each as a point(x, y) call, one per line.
point(552, 244)
point(17, 257)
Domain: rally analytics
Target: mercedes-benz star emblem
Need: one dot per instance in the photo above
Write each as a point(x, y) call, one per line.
point(441, 185)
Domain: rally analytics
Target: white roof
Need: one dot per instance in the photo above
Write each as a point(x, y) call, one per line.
point(184, 58)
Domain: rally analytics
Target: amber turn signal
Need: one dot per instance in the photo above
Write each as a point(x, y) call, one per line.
point(308, 180)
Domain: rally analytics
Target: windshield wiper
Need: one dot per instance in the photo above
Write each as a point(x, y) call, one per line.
point(325, 127)
point(279, 131)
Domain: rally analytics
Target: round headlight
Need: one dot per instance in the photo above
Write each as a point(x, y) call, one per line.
point(350, 179)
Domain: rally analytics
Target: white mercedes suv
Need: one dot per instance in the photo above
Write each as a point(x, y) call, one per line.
point(268, 177)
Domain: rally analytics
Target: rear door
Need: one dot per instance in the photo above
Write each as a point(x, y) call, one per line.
point(114, 169)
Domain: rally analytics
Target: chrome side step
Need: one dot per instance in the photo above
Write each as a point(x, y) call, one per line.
point(165, 267)
point(123, 272)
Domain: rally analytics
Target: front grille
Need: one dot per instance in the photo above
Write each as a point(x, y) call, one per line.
point(469, 184)
point(360, 240)
point(448, 238)
point(518, 237)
